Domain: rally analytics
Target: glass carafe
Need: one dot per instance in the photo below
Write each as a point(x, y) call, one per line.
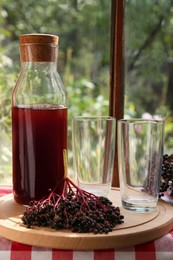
point(39, 120)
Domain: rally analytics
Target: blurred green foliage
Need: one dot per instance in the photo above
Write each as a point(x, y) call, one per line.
point(149, 62)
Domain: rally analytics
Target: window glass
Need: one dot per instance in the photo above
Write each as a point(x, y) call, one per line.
point(149, 62)
point(84, 30)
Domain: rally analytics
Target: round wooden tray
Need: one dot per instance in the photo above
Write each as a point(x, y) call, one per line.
point(138, 228)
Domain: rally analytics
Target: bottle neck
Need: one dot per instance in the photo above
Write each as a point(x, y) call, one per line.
point(42, 66)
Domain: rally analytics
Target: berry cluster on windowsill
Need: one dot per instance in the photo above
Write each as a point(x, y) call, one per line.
point(166, 182)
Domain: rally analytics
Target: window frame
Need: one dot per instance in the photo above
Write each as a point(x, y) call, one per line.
point(116, 100)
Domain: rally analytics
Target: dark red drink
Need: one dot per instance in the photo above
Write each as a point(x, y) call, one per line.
point(39, 137)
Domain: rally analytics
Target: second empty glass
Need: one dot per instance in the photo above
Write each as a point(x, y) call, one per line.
point(140, 153)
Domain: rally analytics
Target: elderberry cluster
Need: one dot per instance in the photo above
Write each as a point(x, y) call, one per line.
point(166, 183)
point(76, 210)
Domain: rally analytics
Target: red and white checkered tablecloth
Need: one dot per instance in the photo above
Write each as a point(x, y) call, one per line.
point(160, 249)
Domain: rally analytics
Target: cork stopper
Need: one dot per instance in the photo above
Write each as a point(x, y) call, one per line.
point(38, 47)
